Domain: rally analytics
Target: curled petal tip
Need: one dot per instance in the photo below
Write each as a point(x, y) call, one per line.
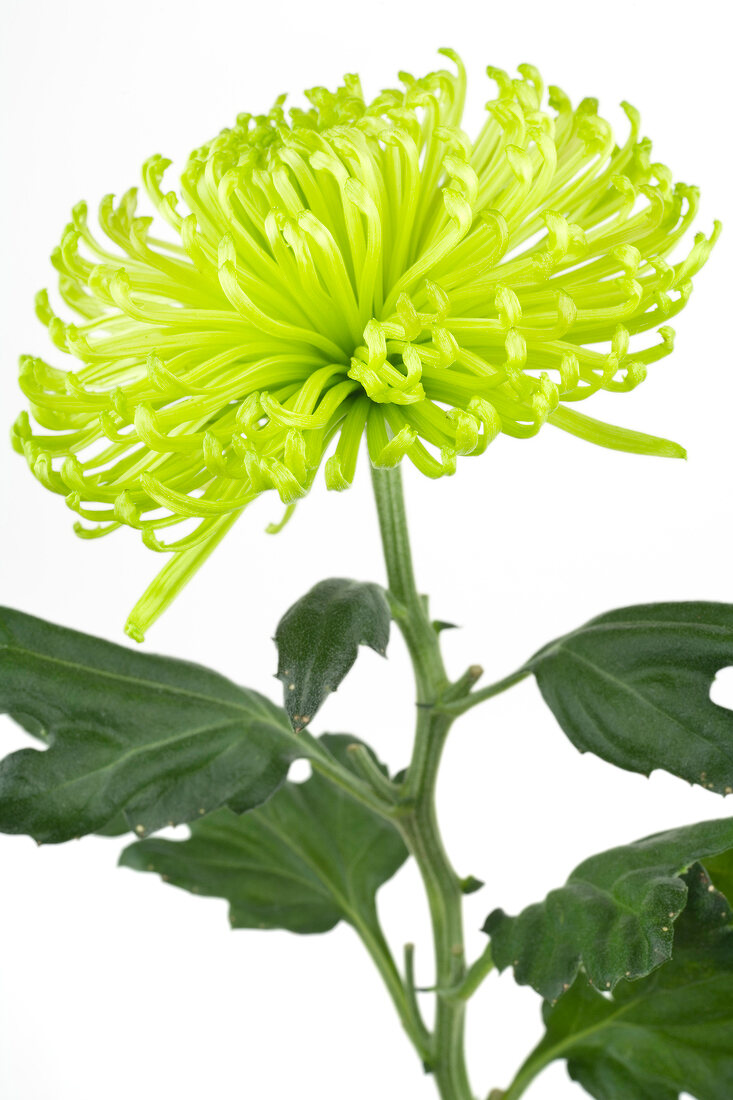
point(276, 528)
point(134, 632)
point(227, 250)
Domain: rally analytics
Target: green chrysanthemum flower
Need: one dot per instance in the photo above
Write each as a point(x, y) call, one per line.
point(352, 269)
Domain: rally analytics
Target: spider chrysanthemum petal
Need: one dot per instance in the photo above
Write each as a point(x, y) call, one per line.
point(356, 269)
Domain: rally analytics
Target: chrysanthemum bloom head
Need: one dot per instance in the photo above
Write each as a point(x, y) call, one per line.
point(354, 269)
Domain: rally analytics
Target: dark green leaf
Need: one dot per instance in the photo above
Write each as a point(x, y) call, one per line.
point(160, 740)
point(669, 1033)
point(29, 724)
point(117, 826)
point(614, 917)
point(319, 637)
point(720, 869)
point(310, 857)
point(633, 686)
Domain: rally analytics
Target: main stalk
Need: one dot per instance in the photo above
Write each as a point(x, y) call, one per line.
point(419, 823)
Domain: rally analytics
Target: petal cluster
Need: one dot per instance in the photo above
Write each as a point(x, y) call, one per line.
point(354, 269)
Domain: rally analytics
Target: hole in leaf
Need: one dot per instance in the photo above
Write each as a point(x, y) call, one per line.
point(174, 832)
point(300, 770)
point(721, 689)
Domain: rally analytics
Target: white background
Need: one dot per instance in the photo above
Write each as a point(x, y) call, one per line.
point(113, 985)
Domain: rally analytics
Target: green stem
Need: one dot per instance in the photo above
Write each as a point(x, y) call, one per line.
point(322, 761)
point(475, 975)
point(418, 823)
point(380, 783)
point(460, 706)
point(523, 1080)
point(373, 939)
point(549, 1050)
point(411, 991)
point(411, 614)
